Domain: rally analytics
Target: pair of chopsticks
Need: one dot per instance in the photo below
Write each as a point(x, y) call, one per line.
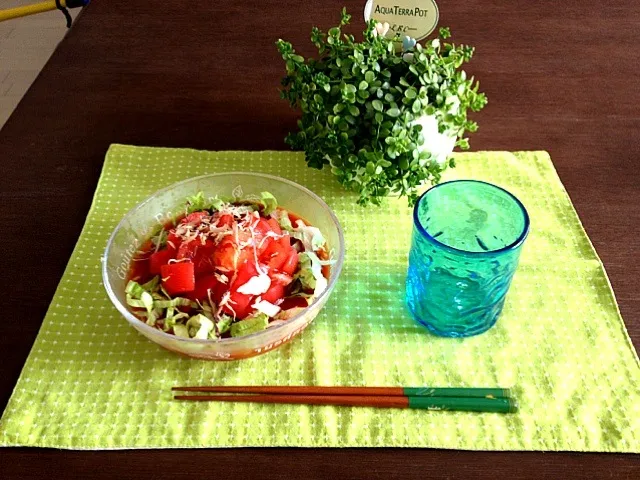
point(496, 400)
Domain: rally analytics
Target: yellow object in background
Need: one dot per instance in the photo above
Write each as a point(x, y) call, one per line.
point(41, 7)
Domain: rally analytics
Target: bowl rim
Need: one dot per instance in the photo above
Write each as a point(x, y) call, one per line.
point(137, 322)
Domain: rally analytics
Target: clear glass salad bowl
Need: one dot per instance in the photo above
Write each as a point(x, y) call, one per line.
point(137, 225)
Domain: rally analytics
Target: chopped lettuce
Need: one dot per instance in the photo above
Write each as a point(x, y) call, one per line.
point(282, 217)
point(196, 202)
point(269, 203)
point(176, 302)
point(152, 285)
point(180, 330)
point(311, 237)
point(159, 239)
point(138, 297)
point(224, 324)
point(250, 325)
point(199, 326)
point(171, 320)
point(305, 272)
point(134, 289)
point(310, 273)
point(217, 203)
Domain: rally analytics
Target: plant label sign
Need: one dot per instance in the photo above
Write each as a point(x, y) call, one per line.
point(414, 18)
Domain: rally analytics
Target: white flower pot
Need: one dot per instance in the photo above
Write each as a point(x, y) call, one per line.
point(439, 145)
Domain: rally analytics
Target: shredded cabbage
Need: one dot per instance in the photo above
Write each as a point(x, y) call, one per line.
point(199, 326)
point(180, 331)
point(224, 324)
point(269, 202)
point(250, 325)
point(311, 237)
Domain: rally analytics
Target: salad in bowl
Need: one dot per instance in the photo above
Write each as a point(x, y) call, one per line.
point(238, 266)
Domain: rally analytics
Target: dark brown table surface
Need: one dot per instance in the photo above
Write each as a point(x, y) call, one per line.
point(560, 76)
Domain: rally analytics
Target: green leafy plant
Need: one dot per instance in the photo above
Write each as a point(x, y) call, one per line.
point(363, 106)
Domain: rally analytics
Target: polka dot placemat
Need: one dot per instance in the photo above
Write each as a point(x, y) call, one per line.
point(92, 382)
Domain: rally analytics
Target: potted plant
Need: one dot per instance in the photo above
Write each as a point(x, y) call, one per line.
point(384, 118)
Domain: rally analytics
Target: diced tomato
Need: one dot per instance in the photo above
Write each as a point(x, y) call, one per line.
point(275, 226)
point(194, 218)
point(263, 246)
point(178, 277)
point(203, 286)
point(224, 254)
point(291, 263)
point(140, 269)
point(159, 258)
point(285, 241)
point(281, 278)
point(173, 241)
point(293, 218)
point(275, 293)
point(188, 250)
point(246, 270)
point(277, 253)
point(277, 261)
point(262, 227)
point(201, 256)
point(225, 220)
point(274, 246)
point(293, 302)
point(240, 303)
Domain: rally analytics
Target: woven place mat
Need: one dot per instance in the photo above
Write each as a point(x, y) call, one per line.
point(92, 382)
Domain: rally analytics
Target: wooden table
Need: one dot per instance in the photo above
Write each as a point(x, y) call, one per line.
point(560, 76)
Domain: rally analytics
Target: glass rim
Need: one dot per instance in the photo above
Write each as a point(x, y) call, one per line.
point(512, 246)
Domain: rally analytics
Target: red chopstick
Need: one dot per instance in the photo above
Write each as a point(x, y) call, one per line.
point(467, 404)
point(356, 391)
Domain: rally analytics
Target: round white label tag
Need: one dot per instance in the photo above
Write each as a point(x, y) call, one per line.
point(415, 18)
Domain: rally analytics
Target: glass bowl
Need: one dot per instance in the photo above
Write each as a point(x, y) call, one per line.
point(137, 225)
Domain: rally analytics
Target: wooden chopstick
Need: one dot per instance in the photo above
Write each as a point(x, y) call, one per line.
point(467, 404)
point(358, 391)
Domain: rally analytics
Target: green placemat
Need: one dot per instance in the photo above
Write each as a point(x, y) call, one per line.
point(92, 382)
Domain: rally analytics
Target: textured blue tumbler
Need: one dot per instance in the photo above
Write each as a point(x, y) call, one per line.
point(467, 237)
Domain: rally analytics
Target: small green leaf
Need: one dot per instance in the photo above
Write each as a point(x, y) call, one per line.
point(378, 116)
point(377, 105)
point(338, 107)
point(353, 110)
point(363, 85)
point(410, 93)
point(369, 76)
point(416, 107)
point(393, 112)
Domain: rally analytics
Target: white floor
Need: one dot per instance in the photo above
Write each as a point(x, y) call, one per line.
point(25, 46)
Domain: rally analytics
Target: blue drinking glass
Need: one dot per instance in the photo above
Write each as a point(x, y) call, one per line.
point(467, 238)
